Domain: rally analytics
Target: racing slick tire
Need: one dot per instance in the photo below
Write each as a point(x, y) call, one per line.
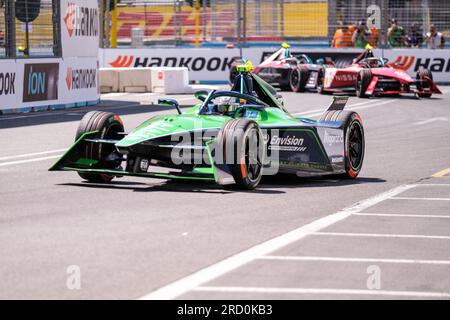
point(108, 125)
point(298, 78)
point(363, 80)
point(421, 75)
point(243, 139)
point(354, 141)
point(233, 69)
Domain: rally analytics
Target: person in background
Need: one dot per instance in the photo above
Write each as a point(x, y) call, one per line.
point(415, 37)
point(434, 39)
point(374, 37)
point(396, 35)
point(342, 37)
point(361, 36)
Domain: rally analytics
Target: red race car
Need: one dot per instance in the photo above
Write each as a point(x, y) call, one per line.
point(370, 76)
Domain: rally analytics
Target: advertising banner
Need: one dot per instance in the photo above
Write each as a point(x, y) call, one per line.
point(213, 64)
point(80, 28)
point(10, 82)
point(40, 82)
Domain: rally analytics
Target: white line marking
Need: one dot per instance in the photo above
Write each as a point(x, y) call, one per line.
point(340, 259)
point(434, 185)
point(28, 161)
point(379, 235)
point(416, 294)
point(395, 215)
point(31, 154)
point(428, 121)
point(425, 199)
point(196, 279)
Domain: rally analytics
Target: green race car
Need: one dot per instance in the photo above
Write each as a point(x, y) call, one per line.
point(229, 137)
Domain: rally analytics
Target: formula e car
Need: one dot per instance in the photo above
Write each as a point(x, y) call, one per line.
point(371, 76)
point(229, 137)
point(286, 71)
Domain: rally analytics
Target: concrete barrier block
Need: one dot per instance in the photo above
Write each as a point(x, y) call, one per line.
point(170, 80)
point(109, 80)
point(135, 80)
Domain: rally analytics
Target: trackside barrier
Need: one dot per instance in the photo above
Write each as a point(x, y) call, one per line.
point(170, 80)
point(139, 80)
point(109, 80)
point(212, 65)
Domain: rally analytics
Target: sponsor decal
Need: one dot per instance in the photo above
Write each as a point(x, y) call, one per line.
point(403, 62)
point(332, 139)
point(7, 83)
point(81, 79)
point(40, 82)
point(434, 64)
point(346, 77)
point(287, 143)
point(81, 21)
point(337, 159)
point(192, 63)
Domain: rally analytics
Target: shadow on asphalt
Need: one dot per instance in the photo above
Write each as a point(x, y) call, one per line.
point(269, 185)
point(121, 108)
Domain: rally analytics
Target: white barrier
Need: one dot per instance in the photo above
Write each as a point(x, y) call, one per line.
point(213, 64)
point(170, 80)
point(109, 80)
point(135, 80)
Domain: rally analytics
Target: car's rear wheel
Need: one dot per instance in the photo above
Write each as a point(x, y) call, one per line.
point(298, 79)
point(243, 139)
point(363, 80)
point(108, 126)
point(424, 84)
point(354, 141)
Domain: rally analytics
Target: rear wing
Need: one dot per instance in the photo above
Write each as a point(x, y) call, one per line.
point(338, 104)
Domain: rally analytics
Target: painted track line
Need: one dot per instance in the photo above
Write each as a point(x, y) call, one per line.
point(379, 235)
point(399, 215)
point(341, 259)
point(424, 199)
point(31, 154)
point(441, 173)
point(28, 161)
point(182, 286)
point(413, 294)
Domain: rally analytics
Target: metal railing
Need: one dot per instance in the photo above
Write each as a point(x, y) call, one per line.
point(176, 22)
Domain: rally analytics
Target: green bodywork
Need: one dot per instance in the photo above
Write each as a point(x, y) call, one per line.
point(274, 115)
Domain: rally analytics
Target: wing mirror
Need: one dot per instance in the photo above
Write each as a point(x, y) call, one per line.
point(170, 103)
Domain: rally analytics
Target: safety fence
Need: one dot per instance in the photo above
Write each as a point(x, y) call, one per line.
point(337, 23)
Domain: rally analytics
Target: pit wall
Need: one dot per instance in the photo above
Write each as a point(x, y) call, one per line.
point(212, 65)
point(55, 83)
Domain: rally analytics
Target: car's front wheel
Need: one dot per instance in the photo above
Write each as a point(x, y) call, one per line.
point(109, 126)
point(243, 149)
point(362, 83)
point(298, 79)
point(424, 76)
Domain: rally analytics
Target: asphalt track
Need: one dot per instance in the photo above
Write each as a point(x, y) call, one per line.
point(385, 235)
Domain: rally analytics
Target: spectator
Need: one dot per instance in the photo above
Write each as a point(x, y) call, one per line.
point(361, 36)
point(396, 35)
point(342, 37)
point(374, 37)
point(435, 39)
point(415, 37)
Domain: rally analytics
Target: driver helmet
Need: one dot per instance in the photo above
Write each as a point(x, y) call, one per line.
point(227, 105)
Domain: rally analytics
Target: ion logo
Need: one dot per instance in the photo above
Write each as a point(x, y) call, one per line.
point(81, 79)
point(40, 82)
point(7, 83)
point(81, 21)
